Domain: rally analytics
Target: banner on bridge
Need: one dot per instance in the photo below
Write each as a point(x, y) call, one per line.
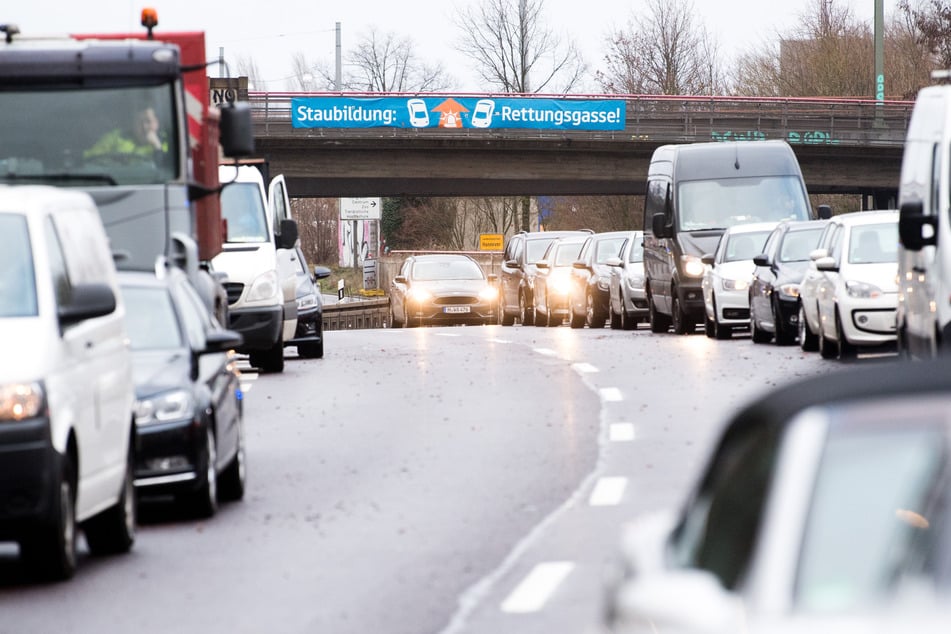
point(458, 112)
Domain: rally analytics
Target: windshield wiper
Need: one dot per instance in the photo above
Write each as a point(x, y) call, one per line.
point(59, 177)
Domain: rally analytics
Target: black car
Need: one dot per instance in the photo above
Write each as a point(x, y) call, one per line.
point(309, 336)
point(590, 296)
point(189, 436)
point(774, 290)
point(517, 273)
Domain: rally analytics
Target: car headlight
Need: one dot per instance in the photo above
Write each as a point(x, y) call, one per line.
point(489, 294)
point(693, 266)
point(306, 301)
point(160, 408)
point(604, 282)
point(789, 291)
point(559, 285)
point(635, 281)
point(19, 401)
point(735, 285)
point(264, 286)
point(862, 290)
point(419, 295)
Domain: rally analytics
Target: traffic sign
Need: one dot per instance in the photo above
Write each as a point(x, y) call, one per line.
point(490, 241)
point(360, 208)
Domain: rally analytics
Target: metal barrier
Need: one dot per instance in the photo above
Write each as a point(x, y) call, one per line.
point(359, 314)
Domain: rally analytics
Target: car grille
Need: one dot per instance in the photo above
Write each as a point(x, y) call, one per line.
point(455, 299)
point(234, 290)
point(736, 313)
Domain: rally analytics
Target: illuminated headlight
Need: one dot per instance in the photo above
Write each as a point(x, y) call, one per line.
point(19, 401)
point(559, 285)
point(264, 286)
point(862, 290)
point(693, 266)
point(735, 285)
point(306, 301)
point(489, 294)
point(604, 282)
point(789, 291)
point(635, 281)
point(173, 405)
point(419, 295)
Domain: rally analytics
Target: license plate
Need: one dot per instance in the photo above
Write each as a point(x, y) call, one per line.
point(455, 309)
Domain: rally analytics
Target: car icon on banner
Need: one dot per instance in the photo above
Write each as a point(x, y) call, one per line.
point(418, 114)
point(482, 115)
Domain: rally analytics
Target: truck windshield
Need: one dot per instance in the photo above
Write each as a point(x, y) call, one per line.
point(719, 204)
point(95, 136)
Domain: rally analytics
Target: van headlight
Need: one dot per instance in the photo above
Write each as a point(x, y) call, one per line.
point(20, 401)
point(264, 286)
point(693, 266)
point(164, 407)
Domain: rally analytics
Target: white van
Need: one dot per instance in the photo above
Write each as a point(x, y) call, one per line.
point(66, 391)
point(257, 258)
point(923, 316)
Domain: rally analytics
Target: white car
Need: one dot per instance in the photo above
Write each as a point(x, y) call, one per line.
point(727, 275)
point(856, 293)
point(482, 114)
point(418, 114)
point(628, 299)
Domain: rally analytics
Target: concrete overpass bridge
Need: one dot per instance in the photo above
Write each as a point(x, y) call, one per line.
point(843, 145)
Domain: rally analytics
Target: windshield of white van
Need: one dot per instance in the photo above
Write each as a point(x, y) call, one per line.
point(17, 280)
point(719, 204)
point(243, 210)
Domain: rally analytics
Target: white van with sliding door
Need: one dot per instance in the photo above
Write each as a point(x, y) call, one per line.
point(66, 391)
point(257, 258)
point(923, 315)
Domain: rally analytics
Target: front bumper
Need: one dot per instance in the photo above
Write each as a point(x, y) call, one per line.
point(29, 476)
point(733, 307)
point(168, 456)
point(309, 327)
point(260, 327)
point(437, 313)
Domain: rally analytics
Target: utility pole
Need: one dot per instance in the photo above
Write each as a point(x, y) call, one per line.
point(879, 63)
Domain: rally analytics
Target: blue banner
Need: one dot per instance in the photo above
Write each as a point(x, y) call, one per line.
point(458, 112)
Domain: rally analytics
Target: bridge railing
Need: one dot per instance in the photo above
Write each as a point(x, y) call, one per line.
point(651, 118)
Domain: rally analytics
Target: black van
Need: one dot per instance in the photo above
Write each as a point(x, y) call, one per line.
point(694, 192)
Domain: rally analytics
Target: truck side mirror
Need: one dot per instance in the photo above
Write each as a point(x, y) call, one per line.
point(911, 226)
point(824, 212)
point(289, 234)
point(236, 134)
point(659, 226)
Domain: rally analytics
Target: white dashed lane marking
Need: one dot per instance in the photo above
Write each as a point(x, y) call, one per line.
point(621, 432)
point(537, 587)
point(610, 394)
point(608, 491)
point(584, 368)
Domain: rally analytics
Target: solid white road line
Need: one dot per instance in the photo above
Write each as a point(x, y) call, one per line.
point(548, 352)
point(537, 587)
point(584, 368)
point(608, 491)
point(621, 432)
point(610, 394)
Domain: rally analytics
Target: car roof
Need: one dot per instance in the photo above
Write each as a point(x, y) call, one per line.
point(750, 227)
point(148, 278)
point(866, 217)
point(535, 235)
point(441, 256)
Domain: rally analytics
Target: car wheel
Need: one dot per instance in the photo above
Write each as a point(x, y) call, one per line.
point(232, 483)
point(782, 336)
point(504, 318)
point(113, 530)
point(679, 321)
point(553, 321)
point(50, 550)
point(808, 340)
point(394, 322)
point(844, 348)
point(827, 347)
point(204, 500)
point(540, 318)
point(709, 328)
point(617, 322)
point(526, 311)
point(758, 334)
point(658, 323)
point(593, 317)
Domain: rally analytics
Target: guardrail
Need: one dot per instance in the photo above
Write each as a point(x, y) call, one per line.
point(358, 314)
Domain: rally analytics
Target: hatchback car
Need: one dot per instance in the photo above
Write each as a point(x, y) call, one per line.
point(727, 275)
point(628, 299)
point(590, 294)
point(189, 416)
point(778, 271)
point(553, 281)
point(517, 274)
point(309, 336)
point(822, 498)
point(442, 289)
point(855, 290)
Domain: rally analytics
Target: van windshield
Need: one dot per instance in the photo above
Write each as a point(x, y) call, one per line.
point(243, 210)
point(719, 204)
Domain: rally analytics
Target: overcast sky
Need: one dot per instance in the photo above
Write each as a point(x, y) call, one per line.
point(272, 31)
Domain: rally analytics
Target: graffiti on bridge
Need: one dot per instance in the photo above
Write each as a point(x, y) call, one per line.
point(812, 137)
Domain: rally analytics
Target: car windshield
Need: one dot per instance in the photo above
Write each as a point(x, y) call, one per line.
point(745, 246)
point(567, 253)
point(868, 516)
point(608, 248)
point(449, 269)
point(243, 210)
point(535, 249)
point(17, 279)
point(797, 245)
point(87, 136)
point(720, 204)
point(150, 319)
point(874, 244)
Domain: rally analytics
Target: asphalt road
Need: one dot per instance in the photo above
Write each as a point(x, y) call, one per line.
point(433, 480)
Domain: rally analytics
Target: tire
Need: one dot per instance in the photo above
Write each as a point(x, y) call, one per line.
point(659, 323)
point(678, 319)
point(504, 318)
point(50, 550)
point(827, 348)
point(311, 350)
point(540, 318)
point(782, 336)
point(720, 331)
point(525, 314)
point(593, 317)
point(271, 360)
point(394, 322)
point(808, 340)
point(758, 334)
point(844, 349)
point(113, 530)
point(627, 322)
point(553, 322)
point(617, 321)
point(204, 500)
point(233, 480)
point(709, 328)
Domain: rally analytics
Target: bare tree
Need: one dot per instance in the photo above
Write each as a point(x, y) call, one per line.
point(310, 75)
point(513, 49)
point(385, 62)
point(245, 67)
point(663, 50)
point(932, 20)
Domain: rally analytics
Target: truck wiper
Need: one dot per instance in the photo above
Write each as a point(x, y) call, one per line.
point(59, 177)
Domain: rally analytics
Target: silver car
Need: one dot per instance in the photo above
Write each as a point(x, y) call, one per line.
point(627, 304)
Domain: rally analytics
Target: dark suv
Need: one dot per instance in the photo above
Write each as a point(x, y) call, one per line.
point(589, 296)
point(517, 274)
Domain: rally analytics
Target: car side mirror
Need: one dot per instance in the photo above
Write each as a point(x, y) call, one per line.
point(512, 264)
point(320, 272)
point(824, 212)
point(815, 254)
point(678, 600)
point(761, 260)
point(541, 264)
point(86, 302)
point(400, 279)
point(613, 261)
point(911, 226)
point(707, 258)
point(826, 263)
